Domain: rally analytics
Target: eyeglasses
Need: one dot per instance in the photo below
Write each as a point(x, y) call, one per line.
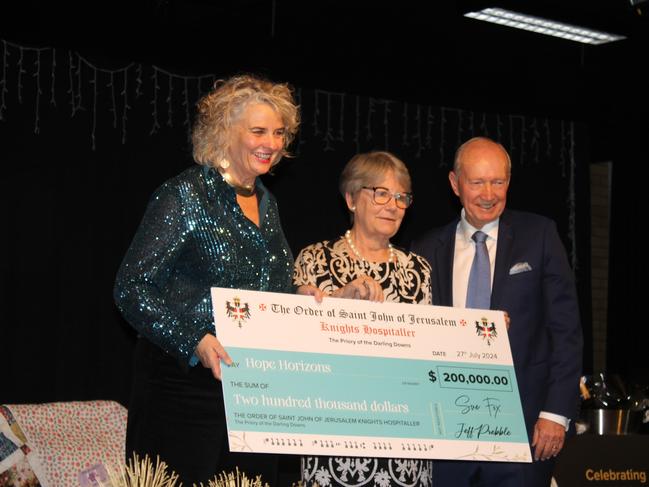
point(382, 196)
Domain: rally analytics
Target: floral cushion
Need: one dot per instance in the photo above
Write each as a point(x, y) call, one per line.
point(66, 438)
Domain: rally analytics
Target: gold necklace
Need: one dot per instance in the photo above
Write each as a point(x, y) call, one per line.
point(247, 190)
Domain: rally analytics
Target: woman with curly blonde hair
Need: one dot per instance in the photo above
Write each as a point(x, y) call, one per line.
point(215, 224)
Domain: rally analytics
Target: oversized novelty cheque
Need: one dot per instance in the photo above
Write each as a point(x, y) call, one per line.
point(358, 378)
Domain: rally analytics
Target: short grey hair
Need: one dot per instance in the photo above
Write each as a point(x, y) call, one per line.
point(368, 168)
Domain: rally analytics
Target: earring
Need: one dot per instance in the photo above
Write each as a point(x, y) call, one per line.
point(353, 208)
point(224, 163)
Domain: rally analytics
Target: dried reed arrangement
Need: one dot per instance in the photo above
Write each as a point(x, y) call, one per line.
point(240, 479)
point(142, 473)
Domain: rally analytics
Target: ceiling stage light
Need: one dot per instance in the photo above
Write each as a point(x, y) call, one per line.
point(543, 26)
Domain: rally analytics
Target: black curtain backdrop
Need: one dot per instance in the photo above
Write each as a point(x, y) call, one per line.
point(84, 143)
point(628, 333)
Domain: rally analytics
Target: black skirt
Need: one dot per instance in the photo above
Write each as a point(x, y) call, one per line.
point(177, 414)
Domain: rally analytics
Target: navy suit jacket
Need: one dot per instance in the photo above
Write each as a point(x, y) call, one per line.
point(545, 332)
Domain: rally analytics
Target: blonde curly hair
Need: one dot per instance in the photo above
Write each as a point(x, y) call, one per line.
point(220, 109)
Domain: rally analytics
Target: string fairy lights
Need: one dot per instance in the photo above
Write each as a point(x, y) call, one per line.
point(109, 96)
point(105, 100)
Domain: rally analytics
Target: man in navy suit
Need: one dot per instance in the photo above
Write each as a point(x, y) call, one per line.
point(532, 281)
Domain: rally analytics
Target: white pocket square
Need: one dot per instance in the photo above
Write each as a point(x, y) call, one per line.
point(520, 267)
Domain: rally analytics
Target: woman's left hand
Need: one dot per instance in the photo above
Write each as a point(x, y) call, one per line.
point(210, 352)
point(363, 287)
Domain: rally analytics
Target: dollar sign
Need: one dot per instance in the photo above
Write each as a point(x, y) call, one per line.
point(431, 376)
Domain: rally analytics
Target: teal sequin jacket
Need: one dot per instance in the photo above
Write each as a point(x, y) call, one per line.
point(194, 236)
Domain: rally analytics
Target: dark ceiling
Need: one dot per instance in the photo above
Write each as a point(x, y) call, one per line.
point(420, 51)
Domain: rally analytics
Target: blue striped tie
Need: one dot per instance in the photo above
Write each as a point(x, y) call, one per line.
point(479, 291)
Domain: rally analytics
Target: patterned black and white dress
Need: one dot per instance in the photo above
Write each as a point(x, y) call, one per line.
point(329, 266)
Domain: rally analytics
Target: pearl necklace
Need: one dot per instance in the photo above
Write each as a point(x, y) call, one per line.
point(348, 238)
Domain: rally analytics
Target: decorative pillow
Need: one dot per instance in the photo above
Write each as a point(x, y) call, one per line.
point(70, 437)
point(19, 464)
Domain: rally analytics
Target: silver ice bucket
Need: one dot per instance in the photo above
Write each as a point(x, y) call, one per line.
point(612, 421)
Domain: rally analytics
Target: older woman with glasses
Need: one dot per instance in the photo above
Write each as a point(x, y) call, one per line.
point(363, 264)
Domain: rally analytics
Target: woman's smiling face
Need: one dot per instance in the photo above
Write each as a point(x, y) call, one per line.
point(257, 140)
